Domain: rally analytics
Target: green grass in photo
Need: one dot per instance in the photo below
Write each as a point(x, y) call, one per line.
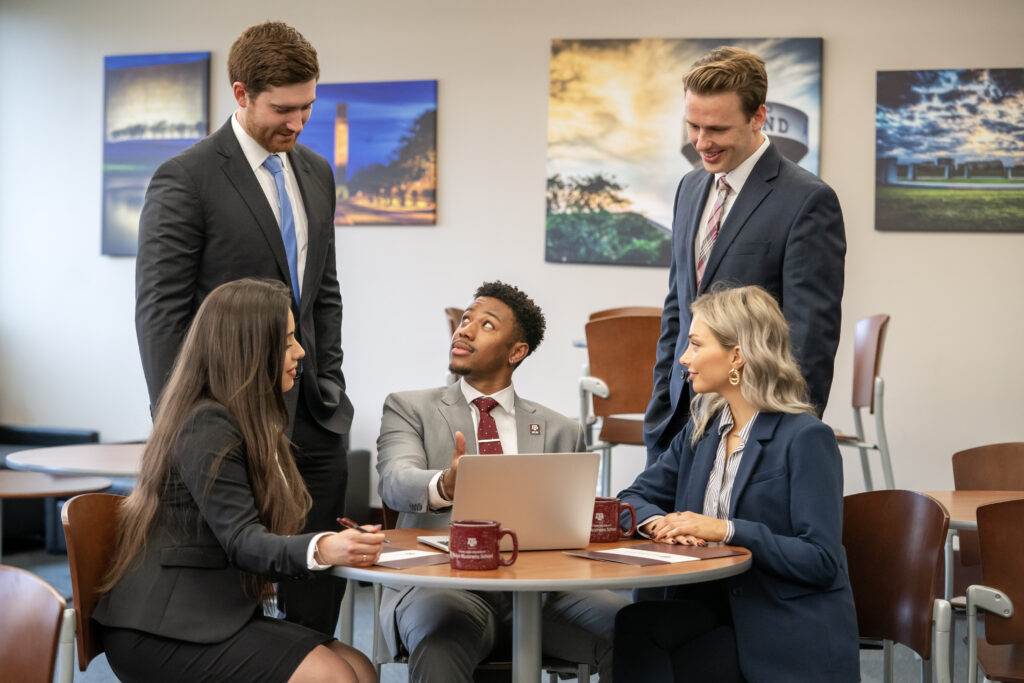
point(948, 210)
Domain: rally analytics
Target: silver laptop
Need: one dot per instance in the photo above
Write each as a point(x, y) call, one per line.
point(546, 498)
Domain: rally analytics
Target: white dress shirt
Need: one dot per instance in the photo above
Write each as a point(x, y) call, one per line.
point(255, 154)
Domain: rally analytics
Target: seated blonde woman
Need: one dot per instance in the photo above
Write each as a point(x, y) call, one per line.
point(754, 468)
point(216, 515)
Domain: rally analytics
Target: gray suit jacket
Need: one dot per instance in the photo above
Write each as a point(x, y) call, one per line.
point(206, 221)
point(417, 439)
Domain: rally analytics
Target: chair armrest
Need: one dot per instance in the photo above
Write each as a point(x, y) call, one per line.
point(942, 613)
point(991, 600)
point(595, 386)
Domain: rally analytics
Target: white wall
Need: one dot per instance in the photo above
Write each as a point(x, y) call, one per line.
point(68, 354)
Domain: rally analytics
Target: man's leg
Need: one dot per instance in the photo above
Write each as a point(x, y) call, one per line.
point(446, 632)
point(321, 458)
point(580, 627)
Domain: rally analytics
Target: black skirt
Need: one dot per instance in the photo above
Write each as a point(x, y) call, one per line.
point(264, 650)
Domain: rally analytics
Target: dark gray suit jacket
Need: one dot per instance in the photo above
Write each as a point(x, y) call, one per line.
point(785, 233)
point(206, 221)
point(188, 582)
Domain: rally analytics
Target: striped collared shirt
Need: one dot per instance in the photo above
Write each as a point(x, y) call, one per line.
point(723, 473)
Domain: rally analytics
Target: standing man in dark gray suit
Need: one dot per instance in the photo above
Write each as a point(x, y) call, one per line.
point(247, 201)
point(748, 217)
point(422, 436)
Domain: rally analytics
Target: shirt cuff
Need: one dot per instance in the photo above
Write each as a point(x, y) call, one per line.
point(730, 531)
point(434, 498)
point(311, 551)
point(645, 523)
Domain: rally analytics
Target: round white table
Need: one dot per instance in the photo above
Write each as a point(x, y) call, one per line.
point(540, 571)
point(97, 459)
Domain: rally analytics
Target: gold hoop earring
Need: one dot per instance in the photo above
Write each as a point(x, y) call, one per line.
point(734, 377)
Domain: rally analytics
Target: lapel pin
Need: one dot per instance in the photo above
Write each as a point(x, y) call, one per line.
point(534, 430)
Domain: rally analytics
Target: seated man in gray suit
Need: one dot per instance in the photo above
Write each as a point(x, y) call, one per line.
point(423, 434)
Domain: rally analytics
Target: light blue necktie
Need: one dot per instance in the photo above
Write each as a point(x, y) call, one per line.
point(291, 247)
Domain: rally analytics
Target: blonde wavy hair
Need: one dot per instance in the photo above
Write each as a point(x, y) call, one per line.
point(770, 381)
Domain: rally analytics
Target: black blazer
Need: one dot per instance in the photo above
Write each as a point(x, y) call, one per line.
point(784, 233)
point(206, 221)
point(188, 582)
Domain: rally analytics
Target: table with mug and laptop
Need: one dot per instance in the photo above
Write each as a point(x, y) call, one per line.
point(552, 535)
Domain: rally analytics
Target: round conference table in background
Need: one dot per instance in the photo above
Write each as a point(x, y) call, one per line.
point(962, 507)
point(40, 485)
point(541, 571)
point(97, 459)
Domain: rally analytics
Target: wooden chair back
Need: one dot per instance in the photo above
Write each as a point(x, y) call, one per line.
point(894, 548)
point(867, 359)
point(626, 310)
point(995, 467)
point(622, 351)
point(29, 626)
point(454, 316)
point(389, 517)
point(90, 528)
point(1002, 567)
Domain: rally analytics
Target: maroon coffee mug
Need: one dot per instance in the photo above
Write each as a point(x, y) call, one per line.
point(605, 527)
point(474, 545)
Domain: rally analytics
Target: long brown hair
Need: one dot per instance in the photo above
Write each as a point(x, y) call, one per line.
point(233, 355)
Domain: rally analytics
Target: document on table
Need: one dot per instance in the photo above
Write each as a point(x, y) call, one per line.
point(397, 558)
point(649, 554)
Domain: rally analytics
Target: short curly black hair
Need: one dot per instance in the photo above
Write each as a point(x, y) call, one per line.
point(529, 317)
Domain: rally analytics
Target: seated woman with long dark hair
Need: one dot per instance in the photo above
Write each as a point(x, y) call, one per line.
point(754, 468)
point(215, 516)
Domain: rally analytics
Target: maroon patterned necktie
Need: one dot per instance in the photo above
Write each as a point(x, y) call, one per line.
point(714, 224)
point(487, 439)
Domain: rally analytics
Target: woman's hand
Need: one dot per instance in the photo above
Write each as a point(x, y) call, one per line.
point(350, 547)
point(687, 528)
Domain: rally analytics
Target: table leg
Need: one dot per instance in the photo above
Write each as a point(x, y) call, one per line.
point(526, 625)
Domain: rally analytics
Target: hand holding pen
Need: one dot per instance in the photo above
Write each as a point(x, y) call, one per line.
point(349, 524)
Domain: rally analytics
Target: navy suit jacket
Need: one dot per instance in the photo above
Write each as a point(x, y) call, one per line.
point(793, 611)
point(188, 582)
point(207, 221)
point(785, 233)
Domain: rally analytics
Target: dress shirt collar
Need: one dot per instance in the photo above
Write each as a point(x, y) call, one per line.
point(726, 421)
point(738, 176)
point(254, 152)
point(506, 398)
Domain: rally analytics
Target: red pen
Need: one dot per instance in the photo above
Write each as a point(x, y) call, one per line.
point(348, 523)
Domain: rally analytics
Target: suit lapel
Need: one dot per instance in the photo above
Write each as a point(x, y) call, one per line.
point(755, 189)
point(694, 201)
point(316, 240)
point(455, 412)
point(762, 431)
point(238, 172)
point(530, 428)
point(700, 472)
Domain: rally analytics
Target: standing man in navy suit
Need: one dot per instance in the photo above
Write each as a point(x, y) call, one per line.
point(768, 222)
point(215, 213)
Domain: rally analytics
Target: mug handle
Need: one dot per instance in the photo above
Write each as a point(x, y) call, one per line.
point(515, 547)
point(632, 517)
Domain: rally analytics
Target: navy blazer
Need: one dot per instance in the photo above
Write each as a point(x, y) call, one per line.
point(793, 611)
point(188, 582)
point(784, 233)
point(207, 221)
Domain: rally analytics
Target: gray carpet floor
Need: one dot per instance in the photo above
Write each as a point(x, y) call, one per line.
point(54, 569)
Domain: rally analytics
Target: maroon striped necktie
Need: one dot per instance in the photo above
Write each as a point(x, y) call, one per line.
point(713, 226)
point(487, 439)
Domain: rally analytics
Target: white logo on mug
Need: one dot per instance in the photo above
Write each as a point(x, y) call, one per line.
point(471, 542)
point(599, 516)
